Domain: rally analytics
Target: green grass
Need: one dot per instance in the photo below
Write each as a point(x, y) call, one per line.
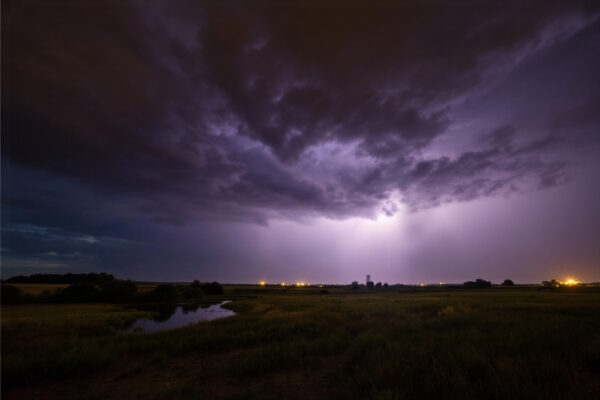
point(429, 344)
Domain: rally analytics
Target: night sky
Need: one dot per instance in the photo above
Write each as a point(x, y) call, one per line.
point(246, 141)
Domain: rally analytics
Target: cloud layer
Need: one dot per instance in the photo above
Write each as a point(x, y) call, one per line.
point(184, 112)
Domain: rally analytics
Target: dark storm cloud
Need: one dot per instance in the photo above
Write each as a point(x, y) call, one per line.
point(209, 109)
point(382, 75)
point(502, 136)
point(503, 167)
point(578, 118)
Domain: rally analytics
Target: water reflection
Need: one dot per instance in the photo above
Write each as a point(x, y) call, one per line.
point(172, 316)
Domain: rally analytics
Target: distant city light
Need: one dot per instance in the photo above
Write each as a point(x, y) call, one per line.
point(571, 282)
point(282, 283)
point(262, 283)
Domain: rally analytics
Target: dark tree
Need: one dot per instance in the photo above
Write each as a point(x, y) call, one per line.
point(370, 285)
point(12, 294)
point(378, 285)
point(508, 282)
point(479, 283)
point(164, 292)
point(355, 285)
point(190, 292)
point(118, 291)
point(79, 293)
point(212, 288)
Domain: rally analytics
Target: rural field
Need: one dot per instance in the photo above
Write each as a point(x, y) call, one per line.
point(311, 343)
point(300, 200)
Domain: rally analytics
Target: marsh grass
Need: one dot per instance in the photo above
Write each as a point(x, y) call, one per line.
point(37, 289)
point(469, 344)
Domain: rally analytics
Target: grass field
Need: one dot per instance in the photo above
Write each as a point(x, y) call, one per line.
point(303, 344)
point(35, 289)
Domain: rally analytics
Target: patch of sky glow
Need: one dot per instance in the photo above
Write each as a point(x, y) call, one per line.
point(225, 128)
point(325, 161)
point(257, 45)
point(344, 249)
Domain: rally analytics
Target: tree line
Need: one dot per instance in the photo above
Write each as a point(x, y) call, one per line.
point(104, 288)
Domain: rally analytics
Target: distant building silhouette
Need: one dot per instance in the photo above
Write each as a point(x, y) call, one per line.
point(368, 280)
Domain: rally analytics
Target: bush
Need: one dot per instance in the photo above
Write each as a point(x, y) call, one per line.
point(79, 293)
point(164, 292)
point(119, 291)
point(190, 292)
point(508, 282)
point(212, 288)
point(12, 295)
point(479, 283)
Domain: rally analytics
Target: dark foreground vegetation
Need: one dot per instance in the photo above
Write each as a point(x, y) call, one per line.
point(504, 342)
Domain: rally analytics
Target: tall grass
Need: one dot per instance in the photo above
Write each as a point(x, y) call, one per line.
point(491, 344)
